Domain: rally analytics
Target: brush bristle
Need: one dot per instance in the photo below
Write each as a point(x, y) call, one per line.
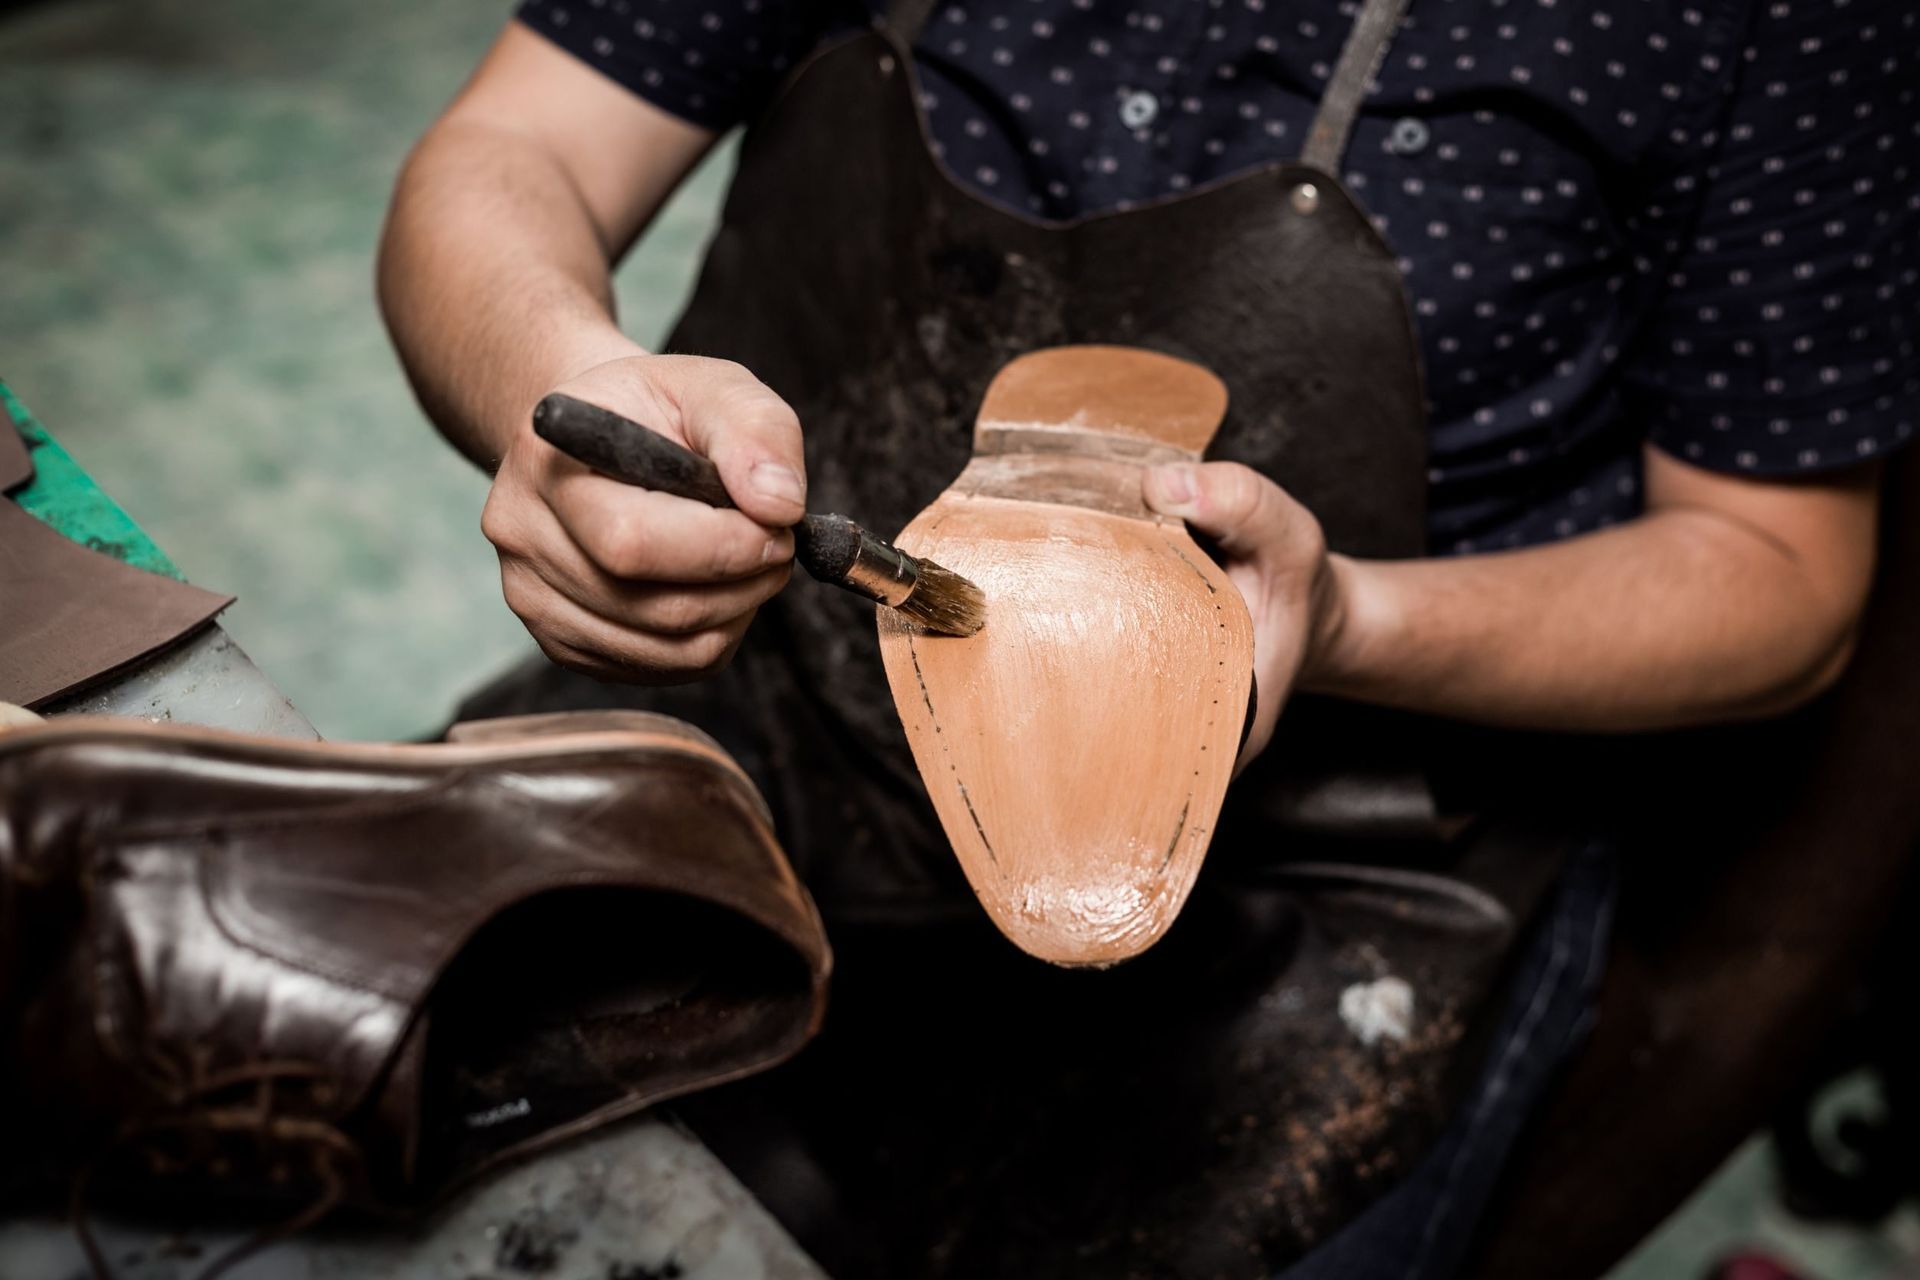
point(944, 601)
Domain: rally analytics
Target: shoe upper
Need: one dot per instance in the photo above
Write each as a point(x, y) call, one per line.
point(264, 962)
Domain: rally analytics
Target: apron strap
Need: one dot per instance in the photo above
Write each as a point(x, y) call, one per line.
point(905, 18)
point(1360, 60)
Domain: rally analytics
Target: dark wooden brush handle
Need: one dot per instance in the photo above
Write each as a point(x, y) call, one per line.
point(622, 448)
point(826, 546)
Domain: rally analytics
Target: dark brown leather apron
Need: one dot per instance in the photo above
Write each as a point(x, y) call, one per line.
point(1206, 1109)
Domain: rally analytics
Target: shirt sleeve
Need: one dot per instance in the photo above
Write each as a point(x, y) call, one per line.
point(714, 63)
point(1784, 340)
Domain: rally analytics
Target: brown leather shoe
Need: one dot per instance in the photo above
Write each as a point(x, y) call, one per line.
point(367, 972)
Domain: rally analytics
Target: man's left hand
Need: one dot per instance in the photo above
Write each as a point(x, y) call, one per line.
point(1276, 554)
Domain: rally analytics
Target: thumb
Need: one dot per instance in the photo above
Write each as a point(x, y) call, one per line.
point(1236, 506)
point(749, 432)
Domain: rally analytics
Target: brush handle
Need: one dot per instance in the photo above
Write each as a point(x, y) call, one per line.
point(826, 546)
point(630, 453)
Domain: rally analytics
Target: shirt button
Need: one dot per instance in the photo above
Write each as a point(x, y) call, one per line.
point(1408, 136)
point(1138, 109)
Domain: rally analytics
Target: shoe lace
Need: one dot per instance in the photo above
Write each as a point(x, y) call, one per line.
point(200, 1108)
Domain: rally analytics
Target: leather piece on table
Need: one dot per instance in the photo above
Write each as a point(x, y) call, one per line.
point(70, 616)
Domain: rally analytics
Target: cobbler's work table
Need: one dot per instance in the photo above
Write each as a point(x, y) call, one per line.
point(641, 1201)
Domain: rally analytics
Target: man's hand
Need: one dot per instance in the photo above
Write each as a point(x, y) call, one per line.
point(1730, 598)
point(626, 584)
point(495, 280)
point(1277, 556)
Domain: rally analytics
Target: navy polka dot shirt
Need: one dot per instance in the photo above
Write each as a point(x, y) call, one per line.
point(1690, 221)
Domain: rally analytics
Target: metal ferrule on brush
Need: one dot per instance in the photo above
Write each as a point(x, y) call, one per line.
point(881, 572)
point(834, 549)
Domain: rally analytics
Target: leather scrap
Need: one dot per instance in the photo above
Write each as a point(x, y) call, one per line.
point(71, 616)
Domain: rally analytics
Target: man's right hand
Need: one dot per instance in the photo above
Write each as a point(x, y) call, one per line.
point(630, 585)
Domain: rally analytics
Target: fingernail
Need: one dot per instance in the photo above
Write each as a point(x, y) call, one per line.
point(1173, 484)
point(781, 483)
point(774, 552)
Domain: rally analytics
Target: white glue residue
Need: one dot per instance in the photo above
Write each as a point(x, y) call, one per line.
point(1380, 1008)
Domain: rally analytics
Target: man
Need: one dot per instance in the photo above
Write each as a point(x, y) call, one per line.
point(1661, 266)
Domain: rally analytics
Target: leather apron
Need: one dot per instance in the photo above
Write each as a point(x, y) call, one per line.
point(1220, 1104)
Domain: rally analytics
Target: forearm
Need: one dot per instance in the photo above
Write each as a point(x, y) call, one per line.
point(1682, 617)
point(494, 282)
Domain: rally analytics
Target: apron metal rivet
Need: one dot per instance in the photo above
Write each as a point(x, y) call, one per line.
point(1305, 198)
point(886, 64)
point(1138, 109)
point(1409, 136)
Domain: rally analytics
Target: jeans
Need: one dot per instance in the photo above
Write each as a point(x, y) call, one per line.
point(1421, 1229)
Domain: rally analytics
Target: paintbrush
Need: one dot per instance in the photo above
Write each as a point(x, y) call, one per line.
point(832, 548)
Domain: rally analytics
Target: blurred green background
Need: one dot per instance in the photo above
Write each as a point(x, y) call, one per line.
point(190, 196)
